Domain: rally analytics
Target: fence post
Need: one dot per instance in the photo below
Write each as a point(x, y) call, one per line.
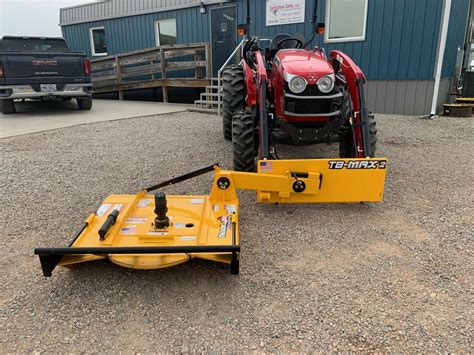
point(118, 76)
point(208, 61)
point(163, 75)
point(198, 70)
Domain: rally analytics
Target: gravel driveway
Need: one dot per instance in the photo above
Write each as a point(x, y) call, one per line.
point(395, 276)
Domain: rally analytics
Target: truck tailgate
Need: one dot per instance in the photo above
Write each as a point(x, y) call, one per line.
point(39, 66)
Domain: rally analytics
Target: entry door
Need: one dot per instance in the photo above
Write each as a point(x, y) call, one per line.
point(223, 35)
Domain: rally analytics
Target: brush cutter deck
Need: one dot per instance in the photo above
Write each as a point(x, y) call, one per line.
point(146, 231)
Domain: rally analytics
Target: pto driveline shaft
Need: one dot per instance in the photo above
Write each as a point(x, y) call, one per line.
point(109, 222)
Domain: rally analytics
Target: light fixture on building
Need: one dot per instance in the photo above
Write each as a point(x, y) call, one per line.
point(202, 9)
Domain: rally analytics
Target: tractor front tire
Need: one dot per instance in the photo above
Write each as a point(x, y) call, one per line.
point(7, 106)
point(243, 141)
point(233, 96)
point(346, 144)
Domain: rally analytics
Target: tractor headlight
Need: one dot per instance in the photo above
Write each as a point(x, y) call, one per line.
point(297, 84)
point(326, 83)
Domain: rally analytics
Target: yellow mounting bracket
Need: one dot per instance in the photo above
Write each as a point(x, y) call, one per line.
point(126, 228)
point(306, 181)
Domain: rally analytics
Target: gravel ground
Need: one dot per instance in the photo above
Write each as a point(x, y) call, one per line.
point(395, 276)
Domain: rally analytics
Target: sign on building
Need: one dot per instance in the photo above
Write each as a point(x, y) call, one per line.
point(283, 12)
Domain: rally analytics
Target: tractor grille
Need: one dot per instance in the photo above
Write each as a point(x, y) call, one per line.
point(305, 106)
point(317, 106)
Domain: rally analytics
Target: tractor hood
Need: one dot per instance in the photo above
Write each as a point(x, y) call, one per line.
point(307, 64)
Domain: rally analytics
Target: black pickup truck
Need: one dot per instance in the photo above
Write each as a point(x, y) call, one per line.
point(42, 68)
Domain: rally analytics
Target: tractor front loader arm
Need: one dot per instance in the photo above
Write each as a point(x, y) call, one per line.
point(262, 78)
point(256, 80)
point(355, 81)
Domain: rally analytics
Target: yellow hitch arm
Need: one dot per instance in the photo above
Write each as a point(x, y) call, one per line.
point(306, 181)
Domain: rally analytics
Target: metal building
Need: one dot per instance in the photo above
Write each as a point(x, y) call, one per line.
point(408, 49)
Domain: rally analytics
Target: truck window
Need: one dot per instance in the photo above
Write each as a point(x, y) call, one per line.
point(33, 45)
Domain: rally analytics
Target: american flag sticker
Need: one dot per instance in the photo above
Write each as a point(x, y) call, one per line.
point(266, 167)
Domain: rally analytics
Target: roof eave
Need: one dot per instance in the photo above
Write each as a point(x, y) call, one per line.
point(137, 13)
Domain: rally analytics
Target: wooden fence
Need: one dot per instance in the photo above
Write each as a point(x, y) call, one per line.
point(165, 66)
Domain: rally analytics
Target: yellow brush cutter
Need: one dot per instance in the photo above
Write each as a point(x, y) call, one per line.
point(146, 231)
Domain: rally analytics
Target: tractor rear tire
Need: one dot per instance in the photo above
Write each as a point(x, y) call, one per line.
point(346, 145)
point(243, 141)
point(233, 96)
point(7, 106)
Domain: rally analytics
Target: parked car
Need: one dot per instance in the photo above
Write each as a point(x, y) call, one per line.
point(42, 68)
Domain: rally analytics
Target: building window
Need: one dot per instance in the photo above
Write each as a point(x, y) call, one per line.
point(345, 20)
point(165, 32)
point(98, 41)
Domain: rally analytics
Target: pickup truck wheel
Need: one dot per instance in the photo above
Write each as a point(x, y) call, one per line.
point(8, 106)
point(84, 104)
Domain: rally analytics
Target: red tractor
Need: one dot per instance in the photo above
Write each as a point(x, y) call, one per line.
point(288, 94)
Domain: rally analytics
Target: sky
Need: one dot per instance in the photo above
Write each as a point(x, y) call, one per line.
point(33, 17)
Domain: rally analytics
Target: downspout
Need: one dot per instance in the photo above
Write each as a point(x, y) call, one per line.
point(440, 56)
point(248, 21)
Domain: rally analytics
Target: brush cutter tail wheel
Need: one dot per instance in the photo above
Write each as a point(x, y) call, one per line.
point(233, 96)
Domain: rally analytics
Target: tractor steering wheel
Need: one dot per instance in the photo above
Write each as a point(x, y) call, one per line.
point(299, 43)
